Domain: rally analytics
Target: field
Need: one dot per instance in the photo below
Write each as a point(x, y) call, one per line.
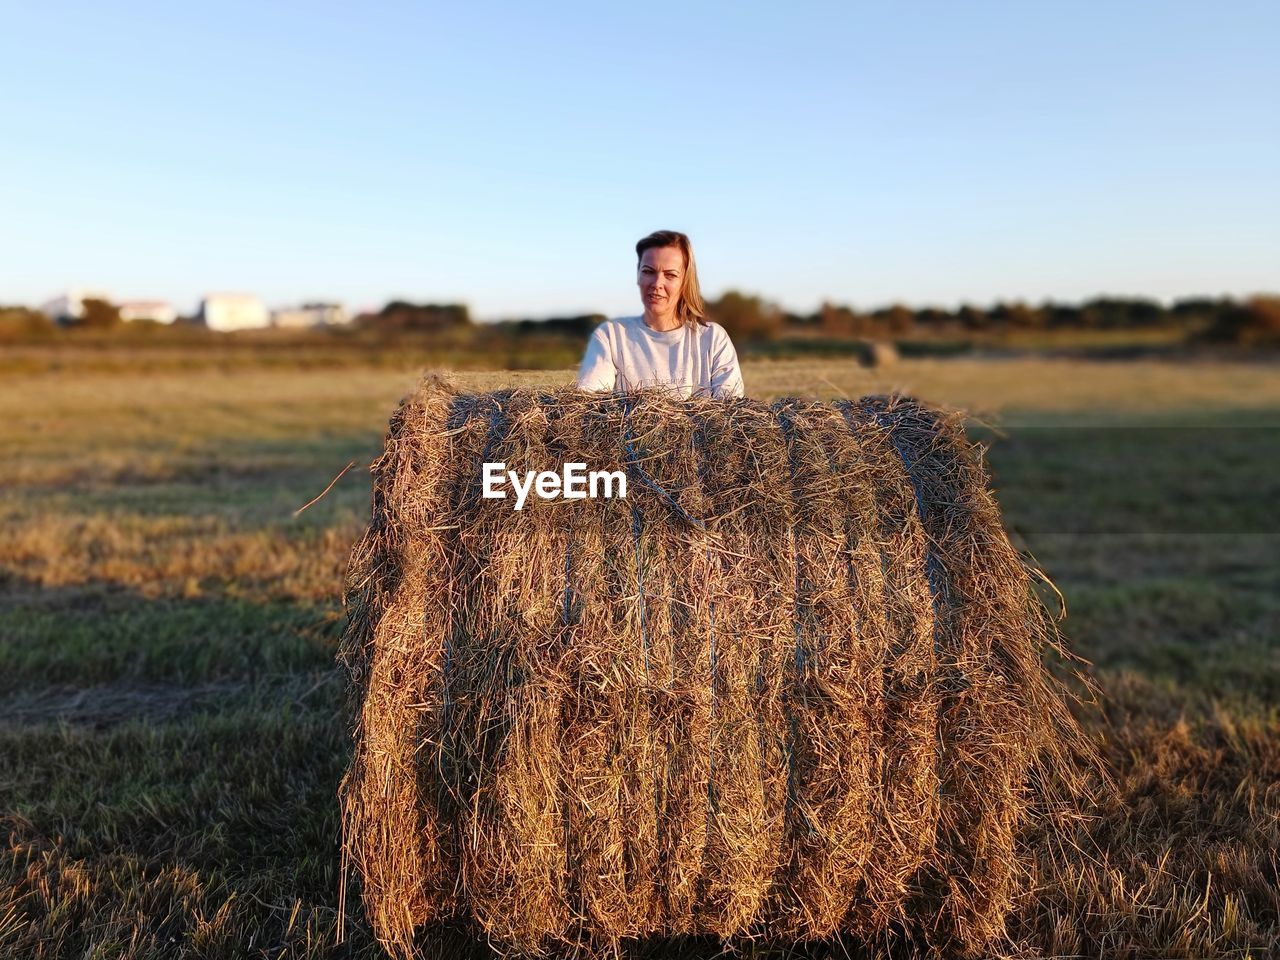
point(171, 720)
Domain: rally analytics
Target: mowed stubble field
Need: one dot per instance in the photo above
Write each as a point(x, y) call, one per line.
point(171, 720)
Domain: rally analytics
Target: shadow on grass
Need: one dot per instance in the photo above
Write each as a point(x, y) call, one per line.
point(84, 636)
point(168, 777)
point(255, 481)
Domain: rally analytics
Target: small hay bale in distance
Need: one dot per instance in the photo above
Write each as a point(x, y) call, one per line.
point(794, 686)
point(876, 353)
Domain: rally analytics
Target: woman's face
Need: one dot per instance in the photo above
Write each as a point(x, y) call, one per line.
point(660, 276)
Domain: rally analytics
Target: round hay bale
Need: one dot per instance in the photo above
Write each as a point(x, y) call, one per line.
point(794, 685)
point(877, 353)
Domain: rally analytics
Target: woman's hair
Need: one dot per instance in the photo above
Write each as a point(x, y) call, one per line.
point(690, 308)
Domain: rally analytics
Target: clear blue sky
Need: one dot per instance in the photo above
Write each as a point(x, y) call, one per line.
point(509, 155)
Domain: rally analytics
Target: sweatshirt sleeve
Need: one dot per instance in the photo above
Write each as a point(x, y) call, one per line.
point(726, 375)
point(597, 371)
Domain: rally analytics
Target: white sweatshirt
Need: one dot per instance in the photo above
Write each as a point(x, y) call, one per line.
point(627, 354)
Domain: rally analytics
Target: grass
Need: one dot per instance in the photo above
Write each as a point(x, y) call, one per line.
point(171, 730)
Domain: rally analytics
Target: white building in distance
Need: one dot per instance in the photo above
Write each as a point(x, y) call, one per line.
point(310, 315)
point(233, 311)
point(157, 311)
point(70, 306)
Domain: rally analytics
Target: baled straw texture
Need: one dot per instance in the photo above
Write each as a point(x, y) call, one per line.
point(793, 686)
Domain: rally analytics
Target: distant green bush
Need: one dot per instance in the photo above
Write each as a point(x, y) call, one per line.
point(746, 317)
point(21, 323)
point(1256, 322)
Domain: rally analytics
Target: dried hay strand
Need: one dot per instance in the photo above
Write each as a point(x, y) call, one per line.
point(832, 705)
point(397, 592)
point(1008, 734)
point(675, 618)
point(751, 589)
point(608, 774)
point(506, 673)
point(794, 686)
point(898, 612)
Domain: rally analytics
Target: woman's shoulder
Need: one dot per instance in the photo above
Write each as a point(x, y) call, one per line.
point(615, 325)
point(715, 332)
point(617, 332)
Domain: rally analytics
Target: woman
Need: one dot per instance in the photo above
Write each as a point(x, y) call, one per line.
point(671, 344)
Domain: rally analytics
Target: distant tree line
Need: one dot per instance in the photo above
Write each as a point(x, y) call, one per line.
point(399, 316)
point(1225, 319)
point(1252, 321)
point(748, 317)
